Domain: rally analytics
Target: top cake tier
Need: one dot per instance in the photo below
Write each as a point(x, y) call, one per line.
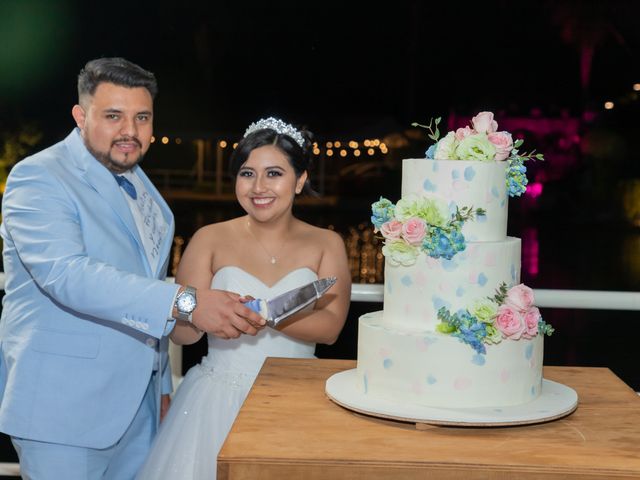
point(464, 184)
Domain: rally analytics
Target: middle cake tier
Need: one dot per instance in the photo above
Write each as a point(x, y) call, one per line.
point(414, 294)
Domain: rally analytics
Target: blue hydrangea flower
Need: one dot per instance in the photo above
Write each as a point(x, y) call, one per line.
point(431, 151)
point(382, 211)
point(443, 244)
point(516, 177)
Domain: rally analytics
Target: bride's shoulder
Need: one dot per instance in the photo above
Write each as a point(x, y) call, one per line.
point(320, 235)
point(215, 231)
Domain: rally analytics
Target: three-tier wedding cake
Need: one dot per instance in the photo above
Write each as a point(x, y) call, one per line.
point(457, 328)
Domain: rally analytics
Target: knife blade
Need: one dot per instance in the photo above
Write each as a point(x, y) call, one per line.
point(278, 308)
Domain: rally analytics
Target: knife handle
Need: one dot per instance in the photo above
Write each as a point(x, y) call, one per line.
point(258, 306)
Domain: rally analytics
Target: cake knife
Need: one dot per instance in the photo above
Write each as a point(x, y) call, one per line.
point(286, 304)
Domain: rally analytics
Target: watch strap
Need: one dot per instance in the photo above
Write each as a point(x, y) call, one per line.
point(181, 314)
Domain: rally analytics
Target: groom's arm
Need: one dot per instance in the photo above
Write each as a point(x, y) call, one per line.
point(41, 216)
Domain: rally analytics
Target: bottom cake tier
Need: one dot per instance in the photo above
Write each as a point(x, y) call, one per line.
point(438, 370)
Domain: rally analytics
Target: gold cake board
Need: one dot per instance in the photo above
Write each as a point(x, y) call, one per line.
point(555, 401)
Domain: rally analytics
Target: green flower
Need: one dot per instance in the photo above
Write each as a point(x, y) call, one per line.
point(493, 335)
point(484, 310)
point(399, 252)
point(476, 147)
point(432, 210)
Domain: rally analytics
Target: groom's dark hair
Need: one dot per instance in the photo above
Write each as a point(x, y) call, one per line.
point(114, 70)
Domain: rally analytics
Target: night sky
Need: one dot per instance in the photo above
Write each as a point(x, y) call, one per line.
point(334, 66)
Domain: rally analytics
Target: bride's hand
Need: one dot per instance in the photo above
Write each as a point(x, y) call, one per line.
point(222, 314)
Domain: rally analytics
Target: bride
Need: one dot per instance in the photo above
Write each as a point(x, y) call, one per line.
point(262, 254)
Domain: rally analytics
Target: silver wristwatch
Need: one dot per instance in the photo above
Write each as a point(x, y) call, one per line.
point(186, 303)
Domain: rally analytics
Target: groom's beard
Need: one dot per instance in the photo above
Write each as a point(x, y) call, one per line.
point(113, 164)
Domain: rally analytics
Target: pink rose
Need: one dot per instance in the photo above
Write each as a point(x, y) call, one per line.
point(484, 123)
point(503, 143)
point(520, 297)
point(510, 322)
point(414, 230)
point(391, 229)
point(464, 132)
point(531, 319)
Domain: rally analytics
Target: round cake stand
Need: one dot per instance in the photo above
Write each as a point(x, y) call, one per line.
point(554, 402)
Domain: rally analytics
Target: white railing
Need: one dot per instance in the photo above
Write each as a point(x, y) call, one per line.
point(545, 298)
point(582, 299)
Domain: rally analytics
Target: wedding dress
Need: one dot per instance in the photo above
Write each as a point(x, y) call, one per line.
point(208, 399)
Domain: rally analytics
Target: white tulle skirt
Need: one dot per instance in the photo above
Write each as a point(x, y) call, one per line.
point(201, 414)
point(210, 396)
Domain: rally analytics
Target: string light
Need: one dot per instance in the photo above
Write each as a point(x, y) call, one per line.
point(332, 147)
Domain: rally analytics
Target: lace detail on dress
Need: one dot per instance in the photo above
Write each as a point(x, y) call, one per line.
point(230, 379)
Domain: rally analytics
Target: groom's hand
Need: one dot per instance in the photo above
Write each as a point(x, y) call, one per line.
point(222, 314)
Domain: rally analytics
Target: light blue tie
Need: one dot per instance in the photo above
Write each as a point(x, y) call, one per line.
point(127, 185)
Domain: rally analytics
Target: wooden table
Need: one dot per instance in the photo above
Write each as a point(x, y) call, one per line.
point(289, 429)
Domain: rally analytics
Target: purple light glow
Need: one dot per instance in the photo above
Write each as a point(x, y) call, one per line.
point(534, 190)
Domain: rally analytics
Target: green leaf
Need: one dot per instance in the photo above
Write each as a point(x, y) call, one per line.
point(445, 328)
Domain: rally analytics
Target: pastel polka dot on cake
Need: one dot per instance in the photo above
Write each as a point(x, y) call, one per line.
point(478, 359)
point(462, 383)
point(428, 186)
point(469, 173)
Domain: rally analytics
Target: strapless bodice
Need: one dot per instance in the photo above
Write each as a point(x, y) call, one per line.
point(246, 354)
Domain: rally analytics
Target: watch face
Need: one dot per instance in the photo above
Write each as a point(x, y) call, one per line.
point(186, 302)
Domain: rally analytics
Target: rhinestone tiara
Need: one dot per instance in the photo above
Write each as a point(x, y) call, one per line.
point(279, 126)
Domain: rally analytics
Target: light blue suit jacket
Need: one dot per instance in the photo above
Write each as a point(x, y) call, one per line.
point(83, 315)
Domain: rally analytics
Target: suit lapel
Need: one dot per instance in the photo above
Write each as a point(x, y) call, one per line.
point(101, 180)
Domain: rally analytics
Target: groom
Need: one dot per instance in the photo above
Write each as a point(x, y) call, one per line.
point(83, 332)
